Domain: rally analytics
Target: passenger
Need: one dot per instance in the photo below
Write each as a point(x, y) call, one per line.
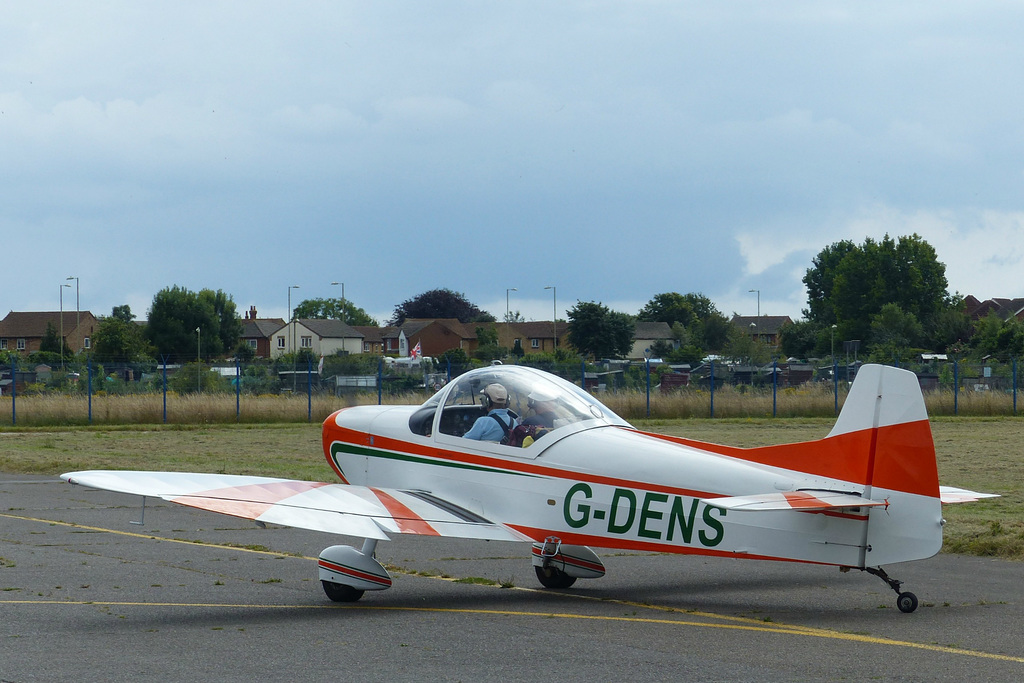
point(499, 421)
point(543, 406)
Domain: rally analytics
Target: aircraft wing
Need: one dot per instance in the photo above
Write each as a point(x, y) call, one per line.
point(951, 494)
point(793, 500)
point(333, 508)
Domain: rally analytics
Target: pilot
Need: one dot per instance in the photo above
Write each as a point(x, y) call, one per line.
point(499, 421)
point(543, 406)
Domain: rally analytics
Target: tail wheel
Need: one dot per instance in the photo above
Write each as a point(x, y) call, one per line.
point(341, 593)
point(551, 577)
point(907, 602)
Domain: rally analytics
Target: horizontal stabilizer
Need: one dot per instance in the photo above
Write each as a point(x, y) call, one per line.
point(793, 500)
point(951, 494)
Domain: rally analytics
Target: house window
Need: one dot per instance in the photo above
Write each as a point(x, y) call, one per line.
point(88, 343)
point(535, 343)
point(306, 343)
point(21, 344)
point(252, 343)
point(280, 342)
point(366, 347)
point(3, 344)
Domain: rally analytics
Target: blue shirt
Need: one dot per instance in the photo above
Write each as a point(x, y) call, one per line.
point(486, 428)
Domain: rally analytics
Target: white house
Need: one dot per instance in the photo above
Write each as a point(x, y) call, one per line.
point(321, 337)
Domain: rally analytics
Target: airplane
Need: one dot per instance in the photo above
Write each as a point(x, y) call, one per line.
point(865, 496)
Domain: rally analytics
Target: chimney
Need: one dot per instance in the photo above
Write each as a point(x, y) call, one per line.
point(251, 315)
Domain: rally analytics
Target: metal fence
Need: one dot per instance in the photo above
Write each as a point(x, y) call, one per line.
point(356, 379)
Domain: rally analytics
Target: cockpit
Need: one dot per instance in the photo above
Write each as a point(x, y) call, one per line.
point(535, 397)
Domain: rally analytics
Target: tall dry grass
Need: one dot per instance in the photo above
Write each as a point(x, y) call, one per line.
point(729, 402)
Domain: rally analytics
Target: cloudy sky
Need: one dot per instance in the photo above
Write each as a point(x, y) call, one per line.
point(613, 150)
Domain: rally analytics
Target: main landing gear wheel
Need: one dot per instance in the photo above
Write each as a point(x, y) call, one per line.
point(551, 577)
point(340, 592)
point(907, 602)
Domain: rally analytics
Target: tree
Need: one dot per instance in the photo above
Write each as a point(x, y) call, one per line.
point(51, 342)
point(743, 347)
point(848, 284)
point(798, 339)
point(670, 307)
point(712, 333)
point(950, 327)
point(229, 327)
point(820, 278)
point(597, 331)
point(334, 309)
point(117, 339)
point(123, 312)
point(893, 331)
point(440, 303)
point(1000, 338)
point(176, 314)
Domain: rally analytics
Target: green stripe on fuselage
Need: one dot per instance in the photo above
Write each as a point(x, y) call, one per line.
point(352, 449)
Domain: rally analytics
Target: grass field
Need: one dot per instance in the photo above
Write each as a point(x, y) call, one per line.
point(983, 454)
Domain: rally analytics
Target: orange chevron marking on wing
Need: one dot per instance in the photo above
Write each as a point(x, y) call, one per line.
point(408, 521)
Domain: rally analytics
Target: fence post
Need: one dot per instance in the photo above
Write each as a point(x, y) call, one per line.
point(163, 360)
point(712, 388)
point(238, 390)
point(14, 390)
point(1014, 386)
point(583, 375)
point(775, 386)
point(309, 389)
point(380, 382)
point(88, 384)
point(956, 387)
point(647, 362)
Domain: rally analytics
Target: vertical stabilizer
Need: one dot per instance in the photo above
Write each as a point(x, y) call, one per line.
point(899, 466)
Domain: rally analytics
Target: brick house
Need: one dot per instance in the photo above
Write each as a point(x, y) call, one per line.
point(23, 331)
point(257, 332)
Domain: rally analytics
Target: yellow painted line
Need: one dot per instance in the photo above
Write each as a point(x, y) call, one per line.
point(764, 628)
point(151, 537)
point(737, 623)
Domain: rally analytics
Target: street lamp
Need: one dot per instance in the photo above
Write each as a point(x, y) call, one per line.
point(753, 337)
point(61, 291)
point(758, 300)
point(554, 313)
point(78, 306)
point(508, 335)
point(342, 299)
point(291, 322)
